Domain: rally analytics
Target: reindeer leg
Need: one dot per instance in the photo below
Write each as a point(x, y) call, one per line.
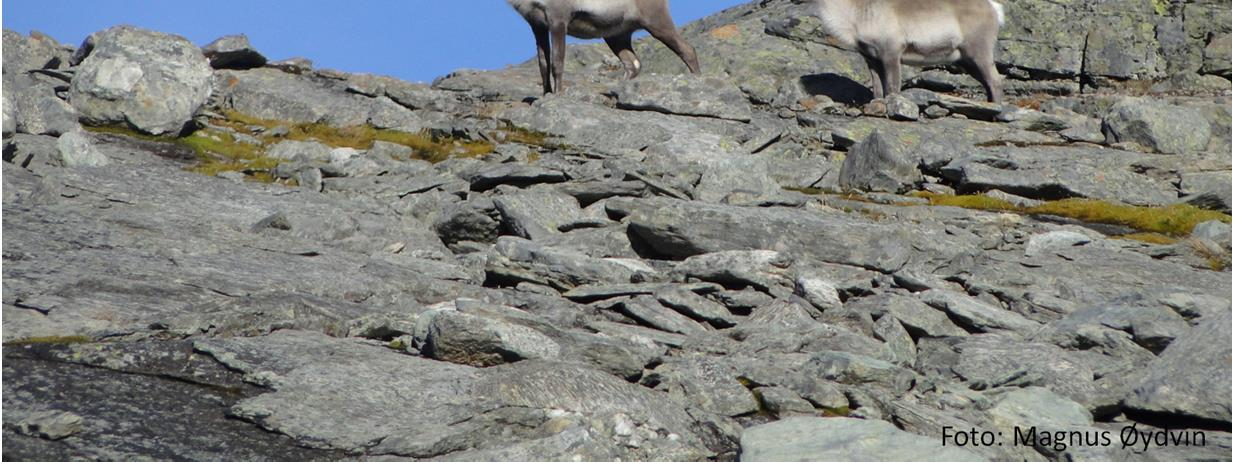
point(543, 53)
point(891, 68)
point(622, 46)
point(659, 24)
point(875, 74)
point(980, 64)
point(558, 27)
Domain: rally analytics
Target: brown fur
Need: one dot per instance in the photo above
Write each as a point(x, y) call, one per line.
point(613, 20)
point(888, 33)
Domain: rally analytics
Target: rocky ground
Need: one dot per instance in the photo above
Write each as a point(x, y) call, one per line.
point(741, 264)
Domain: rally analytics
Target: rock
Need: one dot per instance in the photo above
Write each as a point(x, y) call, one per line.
point(473, 220)
point(783, 402)
point(805, 438)
point(878, 164)
point(683, 229)
point(650, 312)
point(899, 107)
point(976, 315)
point(36, 109)
point(150, 81)
point(233, 52)
point(707, 384)
point(684, 94)
point(1051, 173)
point(310, 151)
point(915, 315)
point(536, 215)
point(516, 175)
point(1215, 231)
point(296, 66)
point(36, 51)
point(1217, 56)
point(1041, 243)
point(696, 306)
point(76, 149)
point(1208, 190)
point(10, 117)
point(1186, 380)
point(1163, 128)
point(762, 269)
point(52, 425)
point(522, 260)
point(480, 341)
point(819, 292)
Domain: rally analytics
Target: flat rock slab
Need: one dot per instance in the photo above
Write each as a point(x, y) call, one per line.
point(1189, 379)
point(811, 438)
point(685, 95)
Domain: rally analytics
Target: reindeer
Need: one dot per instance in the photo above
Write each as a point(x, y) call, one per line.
point(613, 20)
point(918, 32)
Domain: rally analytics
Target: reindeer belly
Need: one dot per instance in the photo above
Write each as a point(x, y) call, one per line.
point(930, 56)
point(592, 26)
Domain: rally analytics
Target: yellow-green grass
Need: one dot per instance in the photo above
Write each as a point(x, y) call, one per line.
point(50, 340)
point(1176, 220)
point(219, 148)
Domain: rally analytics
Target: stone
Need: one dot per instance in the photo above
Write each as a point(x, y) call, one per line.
point(899, 107)
point(685, 94)
point(150, 81)
point(514, 174)
point(1044, 242)
point(805, 438)
point(696, 306)
point(310, 151)
point(52, 425)
point(76, 149)
point(878, 164)
point(536, 215)
point(36, 108)
point(763, 269)
point(975, 314)
point(818, 292)
point(1186, 380)
point(233, 52)
point(1161, 127)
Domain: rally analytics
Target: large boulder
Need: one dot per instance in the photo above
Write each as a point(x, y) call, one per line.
point(150, 81)
point(233, 52)
point(1162, 127)
point(878, 164)
point(1190, 379)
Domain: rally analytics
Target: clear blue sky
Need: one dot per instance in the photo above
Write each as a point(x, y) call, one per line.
point(408, 39)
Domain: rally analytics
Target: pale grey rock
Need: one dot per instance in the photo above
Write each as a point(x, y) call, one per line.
point(35, 108)
point(150, 81)
point(1040, 243)
point(977, 315)
point(819, 292)
point(51, 425)
point(878, 163)
point(1161, 127)
point(899, 107)
point(648, 311)
point(514, 174)
point(76, 149)
point(684, 94)
point(1189, 378)
point(310, 151)
point(523, 260)
point(696, 306)
point(763, 269)
point(233, 52)
point(783, 402)
point(804, 438)
point(536, 215)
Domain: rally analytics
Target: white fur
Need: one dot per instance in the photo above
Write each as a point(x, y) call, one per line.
point(1001, 10)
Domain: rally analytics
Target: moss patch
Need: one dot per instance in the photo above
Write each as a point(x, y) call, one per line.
point(237, 142)
point(1174, 220)
point(51, 340)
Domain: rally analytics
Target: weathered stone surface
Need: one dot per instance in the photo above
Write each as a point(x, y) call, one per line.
point(878, 164)
point(536, 215)
point(803, 438)
point(685, 95)
point(76, 149)
point(1185, 379)
point(233, 52)
point(975, 314)
point(150, 81)
point(1163, 128)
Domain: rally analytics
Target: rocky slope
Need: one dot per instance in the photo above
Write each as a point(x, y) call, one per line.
point(262, 260)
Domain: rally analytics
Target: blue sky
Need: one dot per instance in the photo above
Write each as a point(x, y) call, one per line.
point(409, 39)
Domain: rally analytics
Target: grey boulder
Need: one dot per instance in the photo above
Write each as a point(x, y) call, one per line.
point(150, 81)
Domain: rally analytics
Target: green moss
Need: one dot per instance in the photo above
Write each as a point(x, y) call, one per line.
point(1161, 7)
point(51, 340)
point(1173, 220)
point(842, 411)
